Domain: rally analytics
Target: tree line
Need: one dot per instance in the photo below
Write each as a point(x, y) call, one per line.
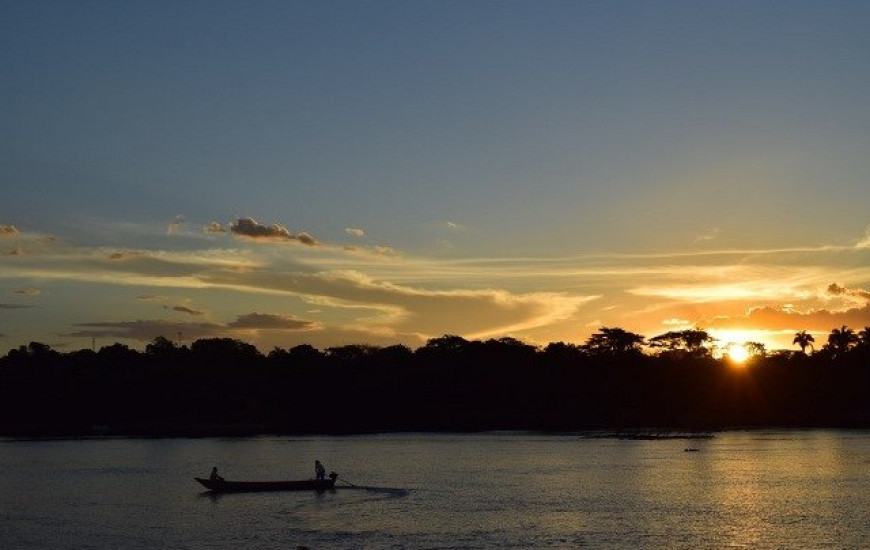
point(616, 380)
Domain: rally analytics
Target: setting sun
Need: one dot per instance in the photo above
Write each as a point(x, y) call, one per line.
point(738, 354)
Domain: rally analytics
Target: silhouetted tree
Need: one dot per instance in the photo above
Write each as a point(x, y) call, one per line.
point(350, 353)
point(223, 351)
point(162, 348)
point(804, 340)
point(561, 353)
point(691, 342)
point(117, 354)
point(448, 344)
point(840, 341)
point(756, 350)
point(304, 352)
point(613, 341)
point(396, 354)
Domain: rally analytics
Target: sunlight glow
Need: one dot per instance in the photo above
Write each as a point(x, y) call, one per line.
point(738, 354)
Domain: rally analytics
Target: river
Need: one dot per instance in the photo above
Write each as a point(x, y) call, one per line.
point(741, 489)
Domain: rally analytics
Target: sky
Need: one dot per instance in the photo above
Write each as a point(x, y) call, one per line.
point(381, 172)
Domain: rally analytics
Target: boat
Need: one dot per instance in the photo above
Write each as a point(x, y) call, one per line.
point(226, 486)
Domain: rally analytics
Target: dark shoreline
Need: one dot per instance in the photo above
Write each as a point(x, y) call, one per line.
point(475, 389)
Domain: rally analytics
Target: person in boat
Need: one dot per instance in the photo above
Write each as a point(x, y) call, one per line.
point(214, 475)
point(319, 470)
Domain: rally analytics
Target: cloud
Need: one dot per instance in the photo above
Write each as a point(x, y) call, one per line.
point(28, 291)
point(150, 297)
point(17, 251)
point(766, 318)
point(708, 235)
point(864, 242)
point(453, 225)
point(14, 306)
point(213, 228)
point(408, 309)
point(8, 231)
point(355, 232)
point(269, 321)
point(185, 309)
point(147, 330)
point(126, 255)
point(838, 290)
point(251, 229)
point(174, 225)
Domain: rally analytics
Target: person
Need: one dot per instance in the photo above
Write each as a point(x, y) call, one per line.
point(214, 475)
point(319, 470)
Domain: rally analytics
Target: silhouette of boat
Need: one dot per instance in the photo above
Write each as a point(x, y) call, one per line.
point(224, 486)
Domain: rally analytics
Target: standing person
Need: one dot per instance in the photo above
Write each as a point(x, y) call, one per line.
point(319, 470)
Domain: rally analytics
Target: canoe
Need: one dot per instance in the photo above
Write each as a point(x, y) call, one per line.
point(224, 486)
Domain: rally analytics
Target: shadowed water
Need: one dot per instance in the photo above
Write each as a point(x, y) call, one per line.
point(739, 490)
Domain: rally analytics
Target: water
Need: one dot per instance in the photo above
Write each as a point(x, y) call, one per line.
point(740, 490)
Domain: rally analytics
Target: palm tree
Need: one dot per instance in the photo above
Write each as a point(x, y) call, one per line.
point(841, 340)
point(804, 339)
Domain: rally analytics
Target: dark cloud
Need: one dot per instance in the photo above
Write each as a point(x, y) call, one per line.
point(838, 290)
point(185, 309)
point(125, 255)
point(251, 229)
point(271, 321)
point(147, 330)
point(29, 291)
point(8, 231)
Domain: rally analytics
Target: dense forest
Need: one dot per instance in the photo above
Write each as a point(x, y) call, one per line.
point(617, 380)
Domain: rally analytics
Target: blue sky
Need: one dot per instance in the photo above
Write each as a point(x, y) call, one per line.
point(533, 169)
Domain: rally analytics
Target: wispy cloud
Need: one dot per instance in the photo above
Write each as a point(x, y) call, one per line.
point(215, 228)
point(173, 226)
point(864, 242)
point(146, 330)
point(186, 309)
point(28, 291)
point(355, 232)
point(126, 255)
point(8, 231)
point(709, 235)
point(269, 321)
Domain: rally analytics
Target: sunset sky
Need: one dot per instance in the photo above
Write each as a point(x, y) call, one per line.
point(385, 172)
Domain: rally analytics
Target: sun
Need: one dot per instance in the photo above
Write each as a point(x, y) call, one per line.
point(738, 353)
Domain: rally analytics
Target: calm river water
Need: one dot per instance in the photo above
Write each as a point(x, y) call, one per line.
point(758, 489)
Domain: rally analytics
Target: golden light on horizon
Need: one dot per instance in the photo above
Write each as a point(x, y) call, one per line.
point(738, 354)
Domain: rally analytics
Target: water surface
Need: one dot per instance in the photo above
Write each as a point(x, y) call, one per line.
point(768, 489)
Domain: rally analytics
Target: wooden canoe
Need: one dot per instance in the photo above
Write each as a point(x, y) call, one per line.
point(224, 486)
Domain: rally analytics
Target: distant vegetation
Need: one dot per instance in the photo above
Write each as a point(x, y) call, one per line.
point(617, 380)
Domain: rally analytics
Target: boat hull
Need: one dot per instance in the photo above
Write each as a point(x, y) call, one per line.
point(223, 486)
